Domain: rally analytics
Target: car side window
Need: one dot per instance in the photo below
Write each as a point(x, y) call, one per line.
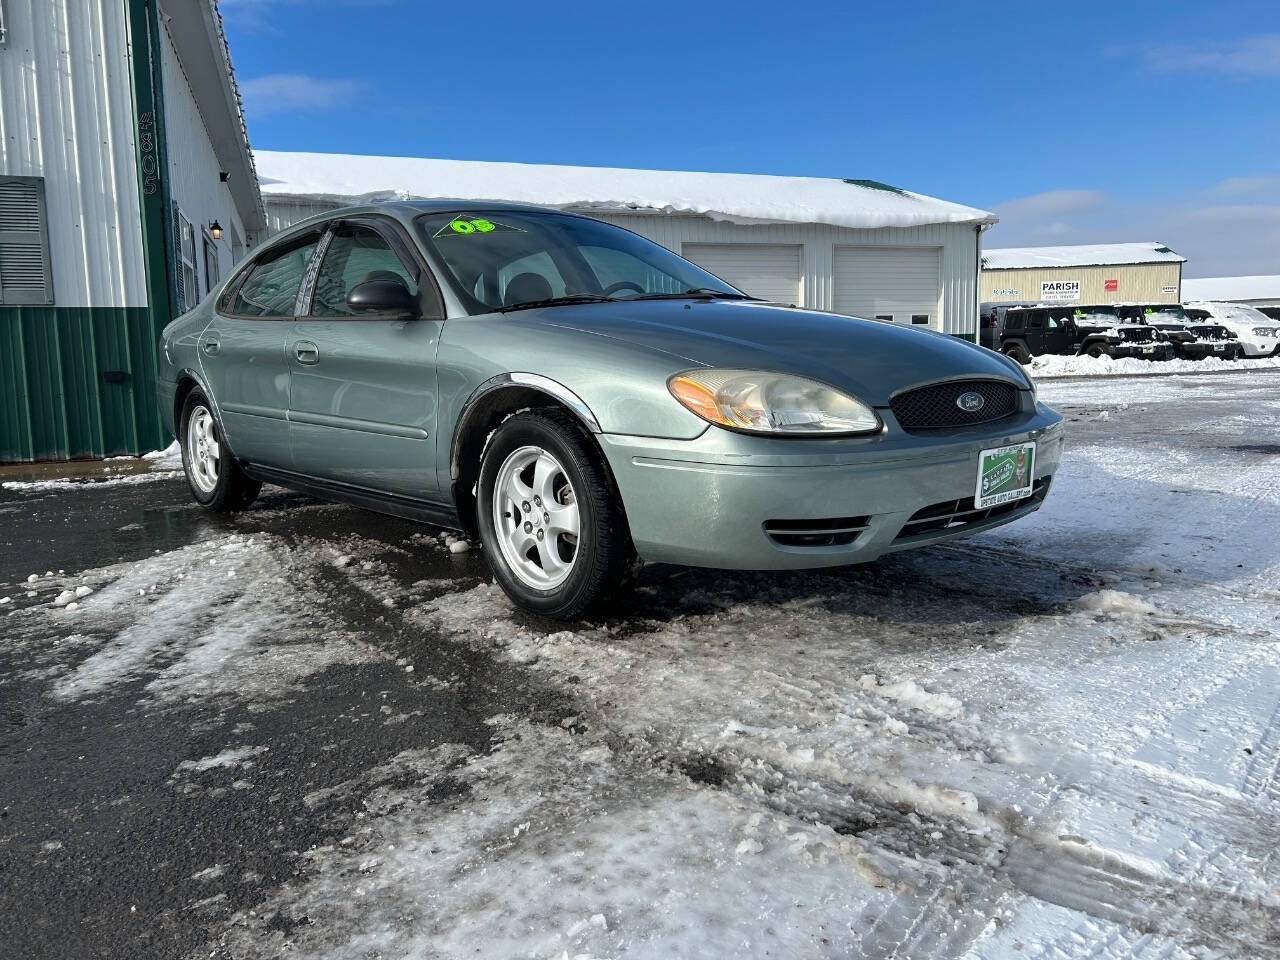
point(356, 254)
point(1013, 320)
point(271, 288)
point(1035, 321)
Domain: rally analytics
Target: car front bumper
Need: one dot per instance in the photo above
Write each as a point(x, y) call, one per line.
point(706, 502)
point(1259, 347)
point(1149, 351)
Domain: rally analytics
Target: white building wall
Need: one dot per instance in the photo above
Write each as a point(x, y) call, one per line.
point(66, 114)
point(958, 274)
point(194, 183)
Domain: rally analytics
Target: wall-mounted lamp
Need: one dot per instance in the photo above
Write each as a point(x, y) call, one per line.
point(215, 229)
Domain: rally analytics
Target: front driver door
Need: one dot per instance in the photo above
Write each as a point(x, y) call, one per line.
point(242, 352)
point(362, 405)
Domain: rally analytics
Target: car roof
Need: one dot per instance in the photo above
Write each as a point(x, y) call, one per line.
point(406, 210)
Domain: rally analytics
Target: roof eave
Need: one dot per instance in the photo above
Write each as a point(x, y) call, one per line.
point(197, 34)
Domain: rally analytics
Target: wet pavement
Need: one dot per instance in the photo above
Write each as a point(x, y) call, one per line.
point(101, 851)
point(307, 730)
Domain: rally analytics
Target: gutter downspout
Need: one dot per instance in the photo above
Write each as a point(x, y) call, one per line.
point(978, 228)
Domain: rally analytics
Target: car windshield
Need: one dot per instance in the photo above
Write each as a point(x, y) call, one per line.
point(1095, 316)
point(1243, 313)
point(1164, 313)
point(504, 260)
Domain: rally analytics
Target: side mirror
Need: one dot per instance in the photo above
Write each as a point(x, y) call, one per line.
point(383, 297)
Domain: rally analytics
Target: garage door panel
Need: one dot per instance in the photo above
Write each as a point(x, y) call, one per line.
point(899, 282)
point(769, 271)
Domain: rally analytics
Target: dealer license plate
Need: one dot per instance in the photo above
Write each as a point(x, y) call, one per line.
point(1148, 349)
point(1219, 347)
point(1004, 474)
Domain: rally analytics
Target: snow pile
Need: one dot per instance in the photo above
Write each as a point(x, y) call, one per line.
point(1083, 365)
point(1113, 602)
point(734, 197)
point(89, 483)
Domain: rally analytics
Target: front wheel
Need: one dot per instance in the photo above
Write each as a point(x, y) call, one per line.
point(1096, 350)
point(215, 479)
point(550, 520)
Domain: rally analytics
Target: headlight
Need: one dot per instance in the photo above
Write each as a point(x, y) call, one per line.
point(1262, 332)
point(760, 402)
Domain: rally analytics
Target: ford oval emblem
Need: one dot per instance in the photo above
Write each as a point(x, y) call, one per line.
point(971, 401)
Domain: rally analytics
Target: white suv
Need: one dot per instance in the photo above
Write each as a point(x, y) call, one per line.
point(1259, 334)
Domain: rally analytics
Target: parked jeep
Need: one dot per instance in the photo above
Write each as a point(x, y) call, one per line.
point(1195, 338)
point(991, 314)
point(1068, 329)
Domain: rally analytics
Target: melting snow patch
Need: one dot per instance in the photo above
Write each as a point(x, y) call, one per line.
point(1113, 602)
point(231, 757)
point(911, 694)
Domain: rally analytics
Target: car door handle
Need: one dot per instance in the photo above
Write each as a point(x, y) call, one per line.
point(306, 352)
point(210, 346)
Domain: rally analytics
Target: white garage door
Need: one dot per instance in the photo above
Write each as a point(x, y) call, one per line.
point(888, 283)
point(767, 271)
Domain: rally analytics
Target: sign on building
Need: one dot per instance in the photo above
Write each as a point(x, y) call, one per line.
point(1169, 289)
point(1111, 284)
point(1058, 291)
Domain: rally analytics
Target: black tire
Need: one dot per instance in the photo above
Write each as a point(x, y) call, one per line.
point(234, 489)
point(603, 549)
point(1016, 351)
point(1096, 350)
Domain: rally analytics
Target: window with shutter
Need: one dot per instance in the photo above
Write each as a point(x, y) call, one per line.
point(187, 280)
point(26, 277)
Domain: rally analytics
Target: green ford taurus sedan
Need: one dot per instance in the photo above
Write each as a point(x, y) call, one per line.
point(575, 396)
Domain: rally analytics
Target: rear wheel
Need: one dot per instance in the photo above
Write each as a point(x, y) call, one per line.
point(550, 520)
point(1016, 351)
point(215, 479)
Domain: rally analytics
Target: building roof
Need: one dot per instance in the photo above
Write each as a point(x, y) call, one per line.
point(1084, 255)
point(196, 30)
point(1232, 288)
point(735, 197)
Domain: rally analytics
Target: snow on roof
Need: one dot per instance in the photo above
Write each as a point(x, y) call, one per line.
point(1084, 255)
point(735, 197)
point(1232, 288)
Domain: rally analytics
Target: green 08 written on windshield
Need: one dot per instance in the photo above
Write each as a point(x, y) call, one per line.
point(508, 260)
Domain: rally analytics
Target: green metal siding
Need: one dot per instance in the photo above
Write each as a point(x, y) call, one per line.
point(55, 403)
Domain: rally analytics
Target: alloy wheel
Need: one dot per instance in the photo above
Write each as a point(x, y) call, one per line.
point(536, 515)
point(204, 453)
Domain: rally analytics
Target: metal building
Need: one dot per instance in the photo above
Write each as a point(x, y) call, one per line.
point(1262, 292)
point(1092, 273)
point(126, 190)
point(854, 246)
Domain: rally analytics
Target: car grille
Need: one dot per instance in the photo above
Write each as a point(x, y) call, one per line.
point(1138, 335)
point(1210, 333)
point(957, 514)
point(934, 406)
point(831, 532)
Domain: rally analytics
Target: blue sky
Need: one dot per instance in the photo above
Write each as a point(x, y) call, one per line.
point(1080, 122)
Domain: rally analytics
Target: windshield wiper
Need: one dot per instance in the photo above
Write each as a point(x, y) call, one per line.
point(709, 293)
point(555, 301)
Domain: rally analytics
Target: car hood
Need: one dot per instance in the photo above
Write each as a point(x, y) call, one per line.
point(868, 358)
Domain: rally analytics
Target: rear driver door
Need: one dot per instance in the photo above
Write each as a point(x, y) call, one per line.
point(242, 351)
